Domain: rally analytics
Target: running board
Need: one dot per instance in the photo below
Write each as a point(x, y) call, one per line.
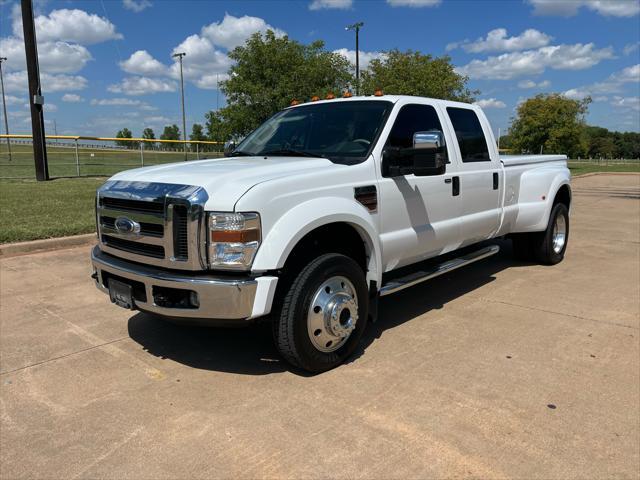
point(418, 277)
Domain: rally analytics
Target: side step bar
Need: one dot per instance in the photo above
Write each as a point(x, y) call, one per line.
point(418, 277)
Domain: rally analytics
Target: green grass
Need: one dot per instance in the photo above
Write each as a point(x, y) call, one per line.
point(93, 161)
point(579, 168)
point(31, 210)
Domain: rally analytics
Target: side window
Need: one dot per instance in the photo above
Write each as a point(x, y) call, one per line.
point(471, 139)
point(412, 119)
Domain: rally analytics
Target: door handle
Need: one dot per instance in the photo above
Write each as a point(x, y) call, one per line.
point(455, 188)
point(447, 180)
point(495, 180)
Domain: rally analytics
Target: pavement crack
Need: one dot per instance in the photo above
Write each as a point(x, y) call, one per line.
point(594, 320)
point(62, 356)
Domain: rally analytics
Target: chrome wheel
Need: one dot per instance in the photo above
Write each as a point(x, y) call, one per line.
point(559, 233)
point(333, 314)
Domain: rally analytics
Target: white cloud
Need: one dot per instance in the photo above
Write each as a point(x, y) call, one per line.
point(325, 4)
point(630, 48)
point(414, 3)
point(142, 63)
point(627, 103)
point(532, 84)
point(115, 101)
point(613, 84)
point(72, 98)
point(13, 100)
point(157, 120)
point(490, 103)
point(497, 41)
point(142, 86)
point(54, 57)
point(17, 82)
point(568, 8)
point(533, 62)
point(136, 5)
point(203, 64)
point(365, 57)
point(68, 25)
point(233, 31)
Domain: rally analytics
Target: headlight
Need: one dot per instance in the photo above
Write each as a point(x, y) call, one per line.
point(234, 239)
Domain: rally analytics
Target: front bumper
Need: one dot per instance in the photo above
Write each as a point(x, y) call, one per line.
point(219, 297)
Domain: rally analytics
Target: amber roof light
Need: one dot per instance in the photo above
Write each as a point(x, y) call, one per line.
point(294, 102)
point(315, 98)
point(330, 96)
point(378, 92)
point(347, 94)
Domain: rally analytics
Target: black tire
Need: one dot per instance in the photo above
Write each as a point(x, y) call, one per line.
point(543, 242)
point(290, 317)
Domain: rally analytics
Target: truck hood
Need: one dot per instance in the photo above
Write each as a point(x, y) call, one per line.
point(226, 179)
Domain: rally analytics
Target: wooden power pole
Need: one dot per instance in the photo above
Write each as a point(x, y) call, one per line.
point(36, 100)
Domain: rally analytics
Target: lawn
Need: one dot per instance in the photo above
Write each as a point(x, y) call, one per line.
point(580, 168)
point(31, 210)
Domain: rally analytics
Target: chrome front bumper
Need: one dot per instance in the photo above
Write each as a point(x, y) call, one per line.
point(219, 298)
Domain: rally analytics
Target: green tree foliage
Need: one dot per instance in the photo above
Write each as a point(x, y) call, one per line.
point(125, 133)
point(270, 71)
point(197, 134)
point(148, 134)
point(550, 122)
point(413, 73)
point(170, 132)
point(217, 130)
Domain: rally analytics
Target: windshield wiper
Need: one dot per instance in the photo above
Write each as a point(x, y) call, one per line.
point(240, 153)
point(288, 152)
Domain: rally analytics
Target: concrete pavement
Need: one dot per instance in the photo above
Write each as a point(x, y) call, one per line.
point(497, 370)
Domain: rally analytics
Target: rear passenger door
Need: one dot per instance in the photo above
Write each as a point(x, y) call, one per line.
point(480, 176)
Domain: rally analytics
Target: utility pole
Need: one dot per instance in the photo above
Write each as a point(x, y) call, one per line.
point(184, 121)
point(36, 100)
point(217, 92)
point(4, 106)
point(357, 27)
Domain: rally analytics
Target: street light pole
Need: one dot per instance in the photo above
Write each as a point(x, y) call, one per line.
point(4, 106)
point(357, 27)
point(184, 121)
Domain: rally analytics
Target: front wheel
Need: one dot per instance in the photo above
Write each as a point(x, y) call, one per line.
point(323, 313)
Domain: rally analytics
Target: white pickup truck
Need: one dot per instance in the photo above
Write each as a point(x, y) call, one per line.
point(324, 208)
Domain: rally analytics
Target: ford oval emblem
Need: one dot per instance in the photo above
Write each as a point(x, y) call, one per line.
point(127, 226)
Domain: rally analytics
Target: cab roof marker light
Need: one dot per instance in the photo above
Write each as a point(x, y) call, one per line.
point(315, 98)
point(330, 96)
point(378, 92)
point(347, 94)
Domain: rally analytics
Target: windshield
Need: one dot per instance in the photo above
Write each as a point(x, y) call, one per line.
point(343, 132)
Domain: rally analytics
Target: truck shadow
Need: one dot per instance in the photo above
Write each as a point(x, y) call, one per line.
point(250, 350)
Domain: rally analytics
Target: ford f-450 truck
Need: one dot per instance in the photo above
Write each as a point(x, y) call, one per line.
point(321, 210)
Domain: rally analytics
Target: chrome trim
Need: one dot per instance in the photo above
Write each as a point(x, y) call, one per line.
point(418, 277)
point(191, 197)
point(559, 235)
point(220, 298)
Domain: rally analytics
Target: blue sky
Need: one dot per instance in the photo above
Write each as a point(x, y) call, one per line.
point(107, 64)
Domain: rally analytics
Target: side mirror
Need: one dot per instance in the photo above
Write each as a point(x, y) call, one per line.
point(229, 147)
point(428, 156)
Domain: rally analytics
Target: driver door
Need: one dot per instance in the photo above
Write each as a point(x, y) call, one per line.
point(418, 214)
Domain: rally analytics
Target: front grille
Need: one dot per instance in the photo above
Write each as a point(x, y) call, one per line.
point(133, 205)
point(170, 217)
point(180, 233)
point(146, 249)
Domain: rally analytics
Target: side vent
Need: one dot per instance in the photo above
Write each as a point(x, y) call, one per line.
point(367, 196)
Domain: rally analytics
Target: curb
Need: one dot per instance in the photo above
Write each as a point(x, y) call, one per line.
point(591, 174)
point(21, 248)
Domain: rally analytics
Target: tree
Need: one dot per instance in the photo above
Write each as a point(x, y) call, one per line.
point(551, 123)
point(269, 72)
point(124, 133)
point(148, 134)
point(197, 134)
point(171, 132)
point(413, 73)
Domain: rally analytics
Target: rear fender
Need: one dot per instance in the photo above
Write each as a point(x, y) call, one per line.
point(538, 189)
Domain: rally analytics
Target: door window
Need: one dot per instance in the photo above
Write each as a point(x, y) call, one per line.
point(411, 119)
point(471, 139)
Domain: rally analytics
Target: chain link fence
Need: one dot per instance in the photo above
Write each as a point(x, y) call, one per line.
point(78, 156)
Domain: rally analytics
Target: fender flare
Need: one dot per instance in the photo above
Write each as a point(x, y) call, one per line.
point(530, 197)
point(291, 227)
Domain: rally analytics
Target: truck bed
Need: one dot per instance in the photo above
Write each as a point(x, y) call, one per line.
point(513, 160)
